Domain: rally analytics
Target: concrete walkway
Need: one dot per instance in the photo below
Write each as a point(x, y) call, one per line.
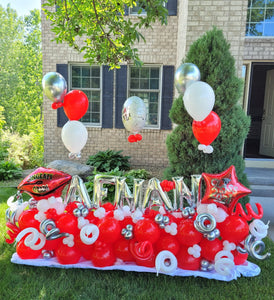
point(261, 182)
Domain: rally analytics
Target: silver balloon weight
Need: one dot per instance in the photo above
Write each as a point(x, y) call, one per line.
point(185, 75)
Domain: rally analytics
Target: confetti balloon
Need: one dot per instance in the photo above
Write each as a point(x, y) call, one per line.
point(185, 75)
point(134, 114)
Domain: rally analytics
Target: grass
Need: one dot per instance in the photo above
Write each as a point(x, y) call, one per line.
point(26, 282)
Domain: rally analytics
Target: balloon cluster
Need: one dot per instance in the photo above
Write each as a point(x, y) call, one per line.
point(75, 103)
point(134, 117)
point(210, 238)
point(199, 99)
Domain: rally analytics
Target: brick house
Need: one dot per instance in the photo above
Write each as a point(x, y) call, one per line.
point(252, 45)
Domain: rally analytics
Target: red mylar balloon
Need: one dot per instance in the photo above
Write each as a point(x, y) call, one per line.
point(25, 252)
point(207, 130)
point(110, 230)
point(102, 255)
point(146, 230)
point(234, 229)
point(187, 234)
point(210, 248)
point(121, 250)
point(167, 242)
point(67, 255)
point(26, 219)
point(187, 261)
point(75, 105)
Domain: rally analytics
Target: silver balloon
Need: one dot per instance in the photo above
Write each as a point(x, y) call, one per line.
point(134, 114)
point(54, 86)
point(185, 75)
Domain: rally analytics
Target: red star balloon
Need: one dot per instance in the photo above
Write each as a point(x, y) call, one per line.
point(223, 189)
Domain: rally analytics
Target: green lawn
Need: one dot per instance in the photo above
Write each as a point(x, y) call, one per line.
point(25, 282)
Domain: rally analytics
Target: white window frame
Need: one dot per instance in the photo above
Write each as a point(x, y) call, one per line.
point(263, 22)
point(159, 90)
point(88, 124)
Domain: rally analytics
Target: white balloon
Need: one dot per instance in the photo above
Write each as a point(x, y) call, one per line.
point(199, 99)
point(74, 136)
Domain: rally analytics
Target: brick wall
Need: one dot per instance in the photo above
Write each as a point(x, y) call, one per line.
point(165, 45)
point(259, 49)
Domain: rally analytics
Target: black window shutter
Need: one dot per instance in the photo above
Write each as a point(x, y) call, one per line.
point(167, 96)
point(61, 116)
point(120, 95)
point(172, 7)
point(107, 103)
point(126, 10)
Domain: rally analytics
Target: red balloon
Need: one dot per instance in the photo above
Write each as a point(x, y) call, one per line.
point(25, 252)
point(210, 248)
point(239, 258)
point(103, 255)
point(207, 130)
point(86, 250)
point(234, 229)
point(121, 250)
point(187, 234)
point(110, 230)
point(75, 105)
point(68, 255)
point(52, 245)
point(169, 243)
point(26, 219)
point(143, 253)
point(187, 261)
point(147, 230)
point(67, 223)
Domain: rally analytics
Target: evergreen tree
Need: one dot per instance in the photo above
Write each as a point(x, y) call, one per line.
point(211, 55)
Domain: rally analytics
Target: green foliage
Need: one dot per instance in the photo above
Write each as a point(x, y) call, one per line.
point(107, 36)
point(212, 56)
point(9, 170)
point(130, 175)
point(108, 160)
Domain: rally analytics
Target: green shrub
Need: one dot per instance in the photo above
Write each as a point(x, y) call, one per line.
point(138, 174)
point(105, 161)
point(9, 170)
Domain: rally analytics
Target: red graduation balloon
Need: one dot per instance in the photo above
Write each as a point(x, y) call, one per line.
point(75, 105)
point(207, 130)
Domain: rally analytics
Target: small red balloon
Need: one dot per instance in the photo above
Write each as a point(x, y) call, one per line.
point(110, 230)
point(187, 234)
point(234, 229)
point(103, 255)
point(67, 223)
point(67, 255)
point(187, 261)
point(143, 253)
point(167, 242)
point(75, 105)
point(207, 130)
point(25, 252)
point(147, 230)
point(121, 250)
point(26, 219)
point(239, 258)
point(210, 248)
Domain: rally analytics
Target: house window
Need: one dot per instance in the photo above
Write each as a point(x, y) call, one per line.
point(145, 83)
point(88, 79)
point(137, 10)
point(260, 18)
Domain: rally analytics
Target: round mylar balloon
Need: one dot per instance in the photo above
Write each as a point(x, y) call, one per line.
point(199, 100)
point(185, 75)
point(134, 114)
point(74, 136)
point(54, 86)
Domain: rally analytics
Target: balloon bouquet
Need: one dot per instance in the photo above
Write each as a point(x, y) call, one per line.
point(75, 103)
point(199, 99)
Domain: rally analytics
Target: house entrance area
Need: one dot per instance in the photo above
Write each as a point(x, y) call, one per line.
point(260, 140)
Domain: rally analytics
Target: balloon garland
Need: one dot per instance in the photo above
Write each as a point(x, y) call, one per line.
point(208, 237)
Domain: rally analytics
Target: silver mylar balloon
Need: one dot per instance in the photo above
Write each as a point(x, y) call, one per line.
point(134, 114)
point(54, 86)
point(185, 75)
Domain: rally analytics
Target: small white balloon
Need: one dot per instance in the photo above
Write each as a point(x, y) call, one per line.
point(74, 136)
point(199, 99)
point(134, 114)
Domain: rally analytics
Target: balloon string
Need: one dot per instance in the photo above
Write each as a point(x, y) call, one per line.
point(250, 212)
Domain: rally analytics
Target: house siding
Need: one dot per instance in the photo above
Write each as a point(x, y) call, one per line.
point(165, 45)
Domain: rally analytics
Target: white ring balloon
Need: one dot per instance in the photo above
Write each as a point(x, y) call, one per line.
point(86, 231)
point(32, 238)
point(224, 254)
point(224, 266)
point(160, 262)
point(258, 229)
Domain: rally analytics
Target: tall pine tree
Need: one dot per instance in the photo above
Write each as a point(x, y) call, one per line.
point(217, 66)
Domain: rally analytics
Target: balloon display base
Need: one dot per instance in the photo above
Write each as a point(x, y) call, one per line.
point(247, 269)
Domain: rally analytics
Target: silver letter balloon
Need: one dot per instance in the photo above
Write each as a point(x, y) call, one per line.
point(185, 75)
